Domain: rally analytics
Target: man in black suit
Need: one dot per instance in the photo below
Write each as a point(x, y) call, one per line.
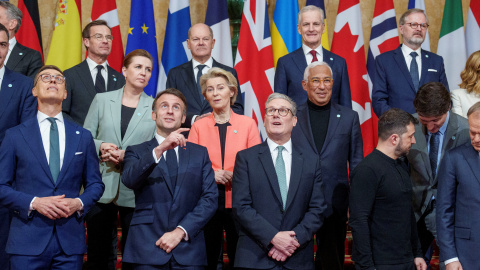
point(20, 59)
point(186, 77)
point(84, 80)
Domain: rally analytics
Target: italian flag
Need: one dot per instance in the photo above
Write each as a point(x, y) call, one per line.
point(451, 44)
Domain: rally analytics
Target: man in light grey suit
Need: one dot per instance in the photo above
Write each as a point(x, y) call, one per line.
point(438, 130)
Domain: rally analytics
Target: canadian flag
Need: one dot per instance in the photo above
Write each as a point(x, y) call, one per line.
point(107, 10)
point(348, 43)
point(472, 31)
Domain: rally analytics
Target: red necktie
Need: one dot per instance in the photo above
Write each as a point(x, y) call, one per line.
point(314, 54)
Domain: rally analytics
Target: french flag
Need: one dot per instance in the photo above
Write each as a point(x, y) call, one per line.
point(217, 19)
point(472, 31)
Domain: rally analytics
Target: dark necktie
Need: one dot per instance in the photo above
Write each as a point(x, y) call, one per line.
point(433, 154)
point(54, 158)
point(414, 71)
point(281, 175)
point(314, 54)
point(99, 81)
point(172, 166)
point(199, 74)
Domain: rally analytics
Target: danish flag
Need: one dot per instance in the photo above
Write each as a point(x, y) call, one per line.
point(254, 60)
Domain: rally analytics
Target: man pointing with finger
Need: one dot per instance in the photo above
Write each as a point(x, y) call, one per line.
point(175, 193)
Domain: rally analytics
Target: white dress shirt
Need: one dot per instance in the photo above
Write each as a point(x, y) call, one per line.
point(309, 56)
point(208, 65)
point(286, 154)
point(92, 66)
point(408, 58)
point(2, 74)
point(11, 43)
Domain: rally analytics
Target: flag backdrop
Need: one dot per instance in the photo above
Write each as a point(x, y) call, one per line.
point(254, 60)
point(141, 35)
point(421, 5)
point(30, 32)
point(451, 44)
point(285, 37)
point(217, 19)
point(107, 10)
point(321, 4)
point(348, 43)
point(472, 31)
point(66, 45)
point(175, 51)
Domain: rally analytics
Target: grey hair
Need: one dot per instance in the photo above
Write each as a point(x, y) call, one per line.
point(310, 8)
point(209, 29)
point(273, 96)
point(306, 74)
point(473, 109)
point(13, 13)
point(407, 13)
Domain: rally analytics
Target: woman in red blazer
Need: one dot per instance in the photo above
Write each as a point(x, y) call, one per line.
point(223, 133)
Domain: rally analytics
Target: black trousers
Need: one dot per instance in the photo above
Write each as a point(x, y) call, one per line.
point(102, 235)
point(331, 243)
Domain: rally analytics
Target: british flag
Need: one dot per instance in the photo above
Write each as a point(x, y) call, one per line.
point(254, 60)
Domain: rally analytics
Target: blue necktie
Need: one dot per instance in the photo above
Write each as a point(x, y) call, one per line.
point(414, 71)
point(281, 175)
point(433, 154)
point(54, 158)
point(199, 74)
point(172, 166)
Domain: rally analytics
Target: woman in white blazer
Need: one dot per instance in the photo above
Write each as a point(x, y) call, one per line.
point(469, 92)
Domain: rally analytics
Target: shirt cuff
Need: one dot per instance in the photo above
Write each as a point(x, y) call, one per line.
point(155, 156)
point(451, 260)
point(30, 208)
point(80, 211)
point(186, 234)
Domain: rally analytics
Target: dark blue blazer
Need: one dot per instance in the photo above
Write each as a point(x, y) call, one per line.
point(258, 207)
point(458, 206)
point(16, 101)
point(25, 174)
point(160, 208)
point(341, 152)
point(289, 77)
point(182, 78)
point(393, 85)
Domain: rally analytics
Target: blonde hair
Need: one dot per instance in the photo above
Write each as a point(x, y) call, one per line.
point(470, 75)
point(220, 73)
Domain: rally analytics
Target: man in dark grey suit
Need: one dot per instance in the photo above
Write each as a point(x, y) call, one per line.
point(186, 77)
point(20, 59)
point(93, 75)
point(438, 130)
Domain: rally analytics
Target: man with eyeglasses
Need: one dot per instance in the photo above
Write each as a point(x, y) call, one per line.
point(277, 196)
point(93, 75)
point(400, 72)
point(45, 163)
point(186, 77)
point(332, 133)
point(16, 106)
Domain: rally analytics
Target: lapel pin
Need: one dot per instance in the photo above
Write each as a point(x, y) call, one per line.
point(331, 58)
point(426, 56)
point(114, 79)
point(139, 114)
point(338, 115)
point(453, 137)
point(20, 53)
point(235, 131)
point(9, 85)
point(78, 132)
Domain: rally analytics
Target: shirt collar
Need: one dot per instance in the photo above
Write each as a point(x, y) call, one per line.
point(92, 65)
point(2, 72)
point(208, 63)
point(42, 117)
point(407, 50)
point(11, 43)
point(306, 50)
point(273, 145)
point(159, 138)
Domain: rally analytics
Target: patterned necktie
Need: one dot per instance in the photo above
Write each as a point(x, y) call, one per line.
point(54, 158)
point(99, 81)
point(414, 71)
point(199, 74)
point(281, 174)
point(172, 166)
point(433, 154)
point(314, 54)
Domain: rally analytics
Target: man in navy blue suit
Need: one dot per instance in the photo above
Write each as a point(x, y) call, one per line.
point(45, 162)
point(277, 196)
point(175, 193)
point(331, 132)
point(458, 201)
point(186, 77)
point(399, 73)
point(290, 68)
point(16, 105)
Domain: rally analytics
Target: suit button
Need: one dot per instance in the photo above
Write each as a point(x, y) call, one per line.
point(55, 189)
point(16, 212)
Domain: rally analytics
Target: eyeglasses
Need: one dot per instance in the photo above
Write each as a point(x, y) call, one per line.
point(281, 111)
point(48, 78)
point(99, 37)
point(414, 25)
point(326, 81)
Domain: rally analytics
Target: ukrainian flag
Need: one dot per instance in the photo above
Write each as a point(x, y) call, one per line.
point(285, 37)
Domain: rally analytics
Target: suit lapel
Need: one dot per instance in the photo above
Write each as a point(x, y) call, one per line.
point(327, 58)
point(72, 139)
point(116, 111)
point(161, 166)
point(421, 143)
point(295, 176)
point(189, 78)
point(449, 138)
point(335, 118)
point(112, 79)
point(16, 56)
point(86, 77)
point(267, 163)
point(300, 60)
point(304, 117)
point(423, 74)
point(6, 91)
point(402, 66)
point(473, 160)
point(183, 164)
point(138, 115)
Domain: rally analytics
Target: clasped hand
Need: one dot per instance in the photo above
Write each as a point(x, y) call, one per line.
point(284, 245)
point(110, 152)
point(55, 207)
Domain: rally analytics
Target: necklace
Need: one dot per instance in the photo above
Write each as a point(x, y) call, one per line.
point(222, 121)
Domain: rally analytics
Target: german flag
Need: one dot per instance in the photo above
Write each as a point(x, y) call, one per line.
point(30, 33)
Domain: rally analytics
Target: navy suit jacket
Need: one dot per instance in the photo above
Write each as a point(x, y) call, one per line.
point(341, 152)
point(182, 78)
point(393, 85)
point(25, 175)
point(289, 77)
point(458, 206)
point(24, 60)
point(160, 208)
point(81, 90)
point(16, 101)
point(258, 207)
